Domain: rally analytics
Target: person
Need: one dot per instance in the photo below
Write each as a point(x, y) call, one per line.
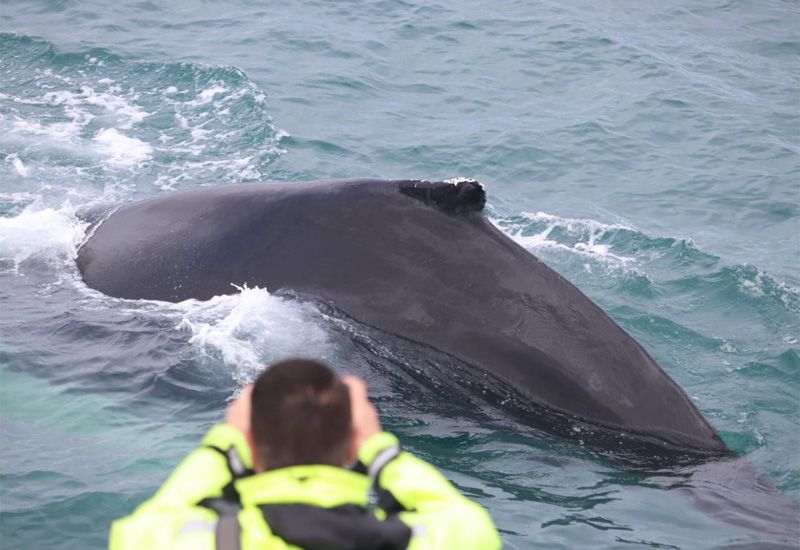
point(292, 467)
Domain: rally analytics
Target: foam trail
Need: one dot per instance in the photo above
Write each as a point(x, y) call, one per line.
point(90, 121)
point(17, 165)
point(126, 113)
point(253, 328)
point(52, 235)
point(542, 231)
point(122, 151)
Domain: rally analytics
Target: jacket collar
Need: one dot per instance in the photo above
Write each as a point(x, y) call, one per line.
point(317, 485)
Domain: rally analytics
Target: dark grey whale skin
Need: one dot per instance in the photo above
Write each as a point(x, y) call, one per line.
point(415, 259)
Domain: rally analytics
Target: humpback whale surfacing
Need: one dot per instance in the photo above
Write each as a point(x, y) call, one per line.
point(416, 259)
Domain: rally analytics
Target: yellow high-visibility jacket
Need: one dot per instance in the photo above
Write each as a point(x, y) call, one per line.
point(214, 501)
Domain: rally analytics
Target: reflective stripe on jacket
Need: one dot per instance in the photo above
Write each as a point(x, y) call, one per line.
point(213, 501)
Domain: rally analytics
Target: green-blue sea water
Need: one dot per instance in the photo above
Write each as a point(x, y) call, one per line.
point(647, 151)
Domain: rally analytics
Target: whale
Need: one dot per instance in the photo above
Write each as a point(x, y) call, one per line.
point(418, 260)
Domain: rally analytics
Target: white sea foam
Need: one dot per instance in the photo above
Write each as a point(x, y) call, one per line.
point(253, 328)
point(130, 113)
point(19, 197)
point(757, 283)
point(753, 287)
point(583, 235)
point(97, 125)
point(727, 347)
point(59, 132)
point(239, 168)
point(48, 234)
point(182, 121)
point(122, 151)
point(17, 164)
point(127, 113)
point(208, 95)
point(198, 134)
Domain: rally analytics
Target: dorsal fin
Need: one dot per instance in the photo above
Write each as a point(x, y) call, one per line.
point(453, 197)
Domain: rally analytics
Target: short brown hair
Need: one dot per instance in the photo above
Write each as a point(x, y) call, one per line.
point(300, 415)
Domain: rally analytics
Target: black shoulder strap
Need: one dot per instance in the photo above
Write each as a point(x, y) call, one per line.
point(237, 470)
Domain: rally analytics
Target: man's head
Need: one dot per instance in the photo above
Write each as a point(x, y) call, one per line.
point(300, 414)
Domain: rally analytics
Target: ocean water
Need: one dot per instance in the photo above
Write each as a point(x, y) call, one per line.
point(648, 151)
